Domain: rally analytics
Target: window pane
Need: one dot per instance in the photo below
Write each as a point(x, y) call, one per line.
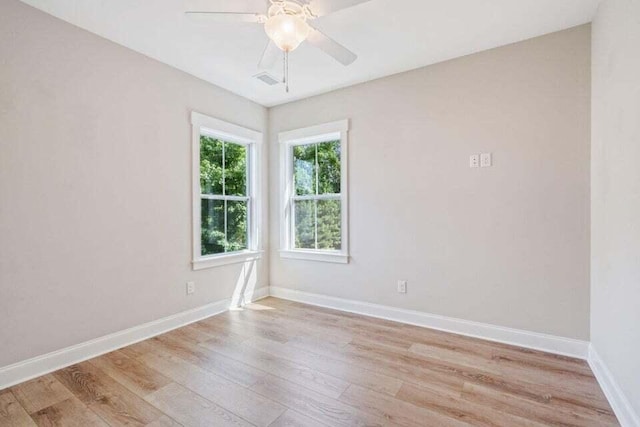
point(210, 165)
point(236, 226)
point(212, 239)
point(329, 225)
point(305, 227)
point(235, 172)
point(329, 167)
point(304, 169)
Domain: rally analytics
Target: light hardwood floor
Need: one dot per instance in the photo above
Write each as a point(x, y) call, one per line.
point(279, 363)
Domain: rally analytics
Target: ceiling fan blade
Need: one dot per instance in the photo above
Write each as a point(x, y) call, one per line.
point(269, 57)
point(324, 7)
point(331, 47)
point(207, 17)
point(226, 5)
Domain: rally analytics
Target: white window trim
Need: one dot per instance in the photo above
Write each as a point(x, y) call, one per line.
point(309, 135)
point(202, 124)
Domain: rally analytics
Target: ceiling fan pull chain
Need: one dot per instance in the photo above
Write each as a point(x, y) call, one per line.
point(286, 70)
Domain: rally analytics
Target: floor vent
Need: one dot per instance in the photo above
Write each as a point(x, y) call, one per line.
point(267, 78)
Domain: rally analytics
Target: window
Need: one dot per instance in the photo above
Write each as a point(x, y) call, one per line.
point(225, 205)
point(223, 196)
point(314, 193)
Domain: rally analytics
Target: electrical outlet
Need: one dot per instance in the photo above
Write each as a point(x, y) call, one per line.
point(474, 161)
point(402, 286)
point(191, 288)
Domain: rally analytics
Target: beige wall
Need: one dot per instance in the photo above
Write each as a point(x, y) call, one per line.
point(95, 175)
point(507, 245)
point(615, 273)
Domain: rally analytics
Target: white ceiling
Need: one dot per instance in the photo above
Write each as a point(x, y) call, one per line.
point(389, 36)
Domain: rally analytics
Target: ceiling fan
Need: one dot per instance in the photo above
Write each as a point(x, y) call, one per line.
point(286, 23)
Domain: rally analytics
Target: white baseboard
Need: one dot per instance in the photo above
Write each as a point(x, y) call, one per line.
point(618, 401)
point(40, 365)
point(537, 341)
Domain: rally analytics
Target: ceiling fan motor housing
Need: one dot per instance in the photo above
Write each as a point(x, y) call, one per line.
point(290, 7)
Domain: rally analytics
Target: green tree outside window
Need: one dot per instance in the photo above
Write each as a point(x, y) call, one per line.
point(224, 197)
point(317, 206)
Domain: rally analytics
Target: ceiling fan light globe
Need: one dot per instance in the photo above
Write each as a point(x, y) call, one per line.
point(287, 31)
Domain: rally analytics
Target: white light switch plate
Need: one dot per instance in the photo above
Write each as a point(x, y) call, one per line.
point(402, 286)
point(485, 160)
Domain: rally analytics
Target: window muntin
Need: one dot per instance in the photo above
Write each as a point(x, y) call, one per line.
point(316, 203)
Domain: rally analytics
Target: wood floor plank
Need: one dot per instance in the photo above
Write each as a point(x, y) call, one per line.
point(294, 419)
point(302, 323)
point(217, 333)
point(396, 411)
point(296, 373)
point(138, 349)
point(164, 421)
point(540, 361)
point(314, 405)
point(570, 390)
point(542, 375)
point(129, 372)
point(243, 326)
point(545, 413)
point(292, 325)
point(68, 413)
point(223, 366)
point(349, 372)
point(464, 358)
point(104, 395)
point(372, 362)
point(12, 414)
point(196, 334)
point(191, 409)
point(239, 400)
point(41, 392)
point(453, 406)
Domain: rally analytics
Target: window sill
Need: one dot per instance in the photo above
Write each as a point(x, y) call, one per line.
point(335, 257)
point(226, 259)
